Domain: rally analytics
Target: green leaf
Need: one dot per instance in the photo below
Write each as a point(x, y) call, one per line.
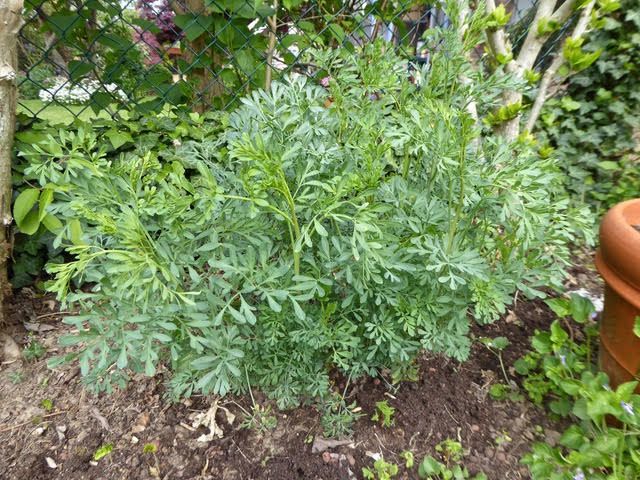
point(23, 205)
point(296, 308)
point(52, 223)
point(75, 232)
point(581, 308)
point(560, 306)
point(573, 437)
point(63, 25)
point(194, 25)
point(430, 466)
point(78, 69)
point(46, 197)
point(118, 138)
point(636, 327)
point(103, 451)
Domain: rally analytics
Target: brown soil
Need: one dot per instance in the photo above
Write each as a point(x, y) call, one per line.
point(449, 401)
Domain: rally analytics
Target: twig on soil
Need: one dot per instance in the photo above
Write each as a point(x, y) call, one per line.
point(382, 445)
point(52, 314)
point(450, 414)
point(241, 452)
point(203, 472)
point(13, 427)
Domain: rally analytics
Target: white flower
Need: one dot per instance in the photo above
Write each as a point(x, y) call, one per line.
point(627, 407)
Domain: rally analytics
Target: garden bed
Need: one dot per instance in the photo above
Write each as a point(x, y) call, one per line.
point(48, 420)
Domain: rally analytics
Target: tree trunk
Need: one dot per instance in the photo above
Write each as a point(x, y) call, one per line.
point(10, 22)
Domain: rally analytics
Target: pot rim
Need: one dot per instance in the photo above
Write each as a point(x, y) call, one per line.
point(618, 258)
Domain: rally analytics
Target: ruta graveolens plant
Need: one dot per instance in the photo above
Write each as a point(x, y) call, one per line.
point(306, 238)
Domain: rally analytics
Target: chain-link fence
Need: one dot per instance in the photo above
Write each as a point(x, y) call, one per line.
point(84, 56)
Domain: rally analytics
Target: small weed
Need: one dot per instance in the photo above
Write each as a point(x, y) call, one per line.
point(452, 454)
point(151, 448)
point(384, 413)
point(450, 450)
point(260, 419)
point(47, 404)
point(103, 451)
point(34, 350)
point(406, 372)
point(337, 417)
point(16, 377)
point(500, 391)
point(381, 471)
point(496, 346)
point(503, 439)
point(407, 456)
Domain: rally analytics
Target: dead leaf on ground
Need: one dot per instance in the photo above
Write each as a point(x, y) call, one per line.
point(37, 327)
point(321, 444)
point(208, 419)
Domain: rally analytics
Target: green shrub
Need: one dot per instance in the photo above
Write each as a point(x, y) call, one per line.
point(304, 238)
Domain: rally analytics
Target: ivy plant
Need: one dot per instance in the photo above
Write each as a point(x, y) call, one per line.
point(594, 126)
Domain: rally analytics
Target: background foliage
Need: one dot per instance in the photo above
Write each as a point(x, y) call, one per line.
point(594, 126)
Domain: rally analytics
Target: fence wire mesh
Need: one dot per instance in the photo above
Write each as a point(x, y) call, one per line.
point(84, 56)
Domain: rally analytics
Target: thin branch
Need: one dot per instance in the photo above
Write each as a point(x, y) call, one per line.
point(273, 25)
point(471, 108)
point(545, 83)
point(533, 43)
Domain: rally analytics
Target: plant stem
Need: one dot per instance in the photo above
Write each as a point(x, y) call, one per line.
point(294, 221)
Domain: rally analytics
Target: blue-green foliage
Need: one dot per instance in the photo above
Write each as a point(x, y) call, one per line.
point(345, 228)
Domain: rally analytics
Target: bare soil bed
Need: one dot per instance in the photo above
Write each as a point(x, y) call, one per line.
point(50, 427)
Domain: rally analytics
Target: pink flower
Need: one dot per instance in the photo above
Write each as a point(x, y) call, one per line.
point(325, 81)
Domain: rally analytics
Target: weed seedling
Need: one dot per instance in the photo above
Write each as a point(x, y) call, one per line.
point(407, 456)
point(103, 451)
point(16, 377)
point(260, 419)
point(450, 450)
point(496, 346)
point(384, 413)
point(337, 417)
point(34, 349)
point(47, 404)
point(452, 454)
point(150, 448)
point(381, 471)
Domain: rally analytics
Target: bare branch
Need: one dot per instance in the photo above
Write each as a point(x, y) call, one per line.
point(533, 43)
point(273, 25)
point(548, 77)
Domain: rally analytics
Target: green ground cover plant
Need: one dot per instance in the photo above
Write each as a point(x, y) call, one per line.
point(311, 230)
point(602, 441)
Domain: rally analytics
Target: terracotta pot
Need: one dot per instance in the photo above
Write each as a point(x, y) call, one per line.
point(618, 261)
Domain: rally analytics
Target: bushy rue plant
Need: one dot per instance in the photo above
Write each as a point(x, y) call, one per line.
point(344, 228)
